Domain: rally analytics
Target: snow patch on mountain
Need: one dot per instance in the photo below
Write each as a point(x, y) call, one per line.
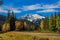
point(32, 17)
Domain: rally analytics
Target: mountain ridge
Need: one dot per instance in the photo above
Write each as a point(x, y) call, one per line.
point(32, 17)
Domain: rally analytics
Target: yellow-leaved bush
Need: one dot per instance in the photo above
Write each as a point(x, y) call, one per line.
point(18, 25)
point(42, 25)
point(5, 27)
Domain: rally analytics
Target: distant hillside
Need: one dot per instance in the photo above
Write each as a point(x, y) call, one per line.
point(2, 19)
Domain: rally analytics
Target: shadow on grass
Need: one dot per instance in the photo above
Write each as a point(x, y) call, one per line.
point(35, 38)
point(1, 38)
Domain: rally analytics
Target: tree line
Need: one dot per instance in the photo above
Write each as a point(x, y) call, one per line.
point(51, 24)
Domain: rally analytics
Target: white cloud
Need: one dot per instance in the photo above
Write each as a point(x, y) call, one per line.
point(48, 10)
point(39, 6)
point(31, 7)
point(50, 6)
point(56, 5)
point(16, 11)
point(2, 10)
point(5, 9)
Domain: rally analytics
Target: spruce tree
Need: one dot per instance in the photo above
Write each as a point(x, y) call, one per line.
point(46, 23)
point(50, 22)
point(8, 17)
point(12, 21)
point(58, 22)
point(54, 23)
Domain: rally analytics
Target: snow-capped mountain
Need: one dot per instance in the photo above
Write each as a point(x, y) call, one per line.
point(32, 17)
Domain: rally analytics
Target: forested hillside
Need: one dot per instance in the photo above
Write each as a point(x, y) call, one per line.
point(51, 24)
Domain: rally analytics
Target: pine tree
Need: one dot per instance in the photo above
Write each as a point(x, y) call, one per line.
point(58, 23)
point(46, 23)
point(8, 17)
point(54, 23)
point(33, 27)
point(50, 22)
point(0, 27)
point(12, 22)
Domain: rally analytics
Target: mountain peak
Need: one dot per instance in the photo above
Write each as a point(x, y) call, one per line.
point(32, 17)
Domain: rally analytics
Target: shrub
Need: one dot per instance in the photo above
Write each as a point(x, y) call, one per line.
point(18, 25)
point(5, 27)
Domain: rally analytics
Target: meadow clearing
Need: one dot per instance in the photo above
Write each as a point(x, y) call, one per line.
point(27, 36)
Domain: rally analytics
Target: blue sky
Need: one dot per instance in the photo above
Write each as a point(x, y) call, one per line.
point(23, 7)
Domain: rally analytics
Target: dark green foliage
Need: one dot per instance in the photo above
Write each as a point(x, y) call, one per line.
point(8, 17)
point(58, 30)
point(58, 23)
point(12, 22)
point(52, 23)
point(0, 27)
point(46, 24)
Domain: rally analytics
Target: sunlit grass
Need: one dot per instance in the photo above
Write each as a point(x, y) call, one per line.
point(22, 36)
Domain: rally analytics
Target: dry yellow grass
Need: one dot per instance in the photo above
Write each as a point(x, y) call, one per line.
point(22, 36)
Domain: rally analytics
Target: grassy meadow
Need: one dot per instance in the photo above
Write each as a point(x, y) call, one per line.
point(22, 36)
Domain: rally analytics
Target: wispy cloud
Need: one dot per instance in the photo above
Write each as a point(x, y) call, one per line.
point(2, 10)
point(46, 7)
point(5, 9)
point(15, 10)
point(48, 10)
point(31, 7)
